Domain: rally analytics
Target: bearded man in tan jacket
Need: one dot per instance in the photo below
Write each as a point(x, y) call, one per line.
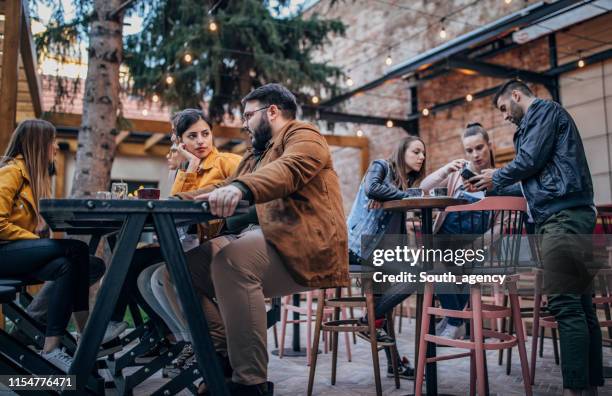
point(292, 239)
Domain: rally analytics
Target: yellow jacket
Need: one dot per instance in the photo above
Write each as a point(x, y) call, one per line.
point(18, 208)
point(213, 169)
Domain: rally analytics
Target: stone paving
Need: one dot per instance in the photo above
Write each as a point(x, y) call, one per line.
point(290, 375)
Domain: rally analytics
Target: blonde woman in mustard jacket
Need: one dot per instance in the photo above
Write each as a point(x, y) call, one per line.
point(25, 178)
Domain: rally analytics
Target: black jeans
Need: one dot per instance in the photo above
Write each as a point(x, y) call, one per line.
point(66, 261)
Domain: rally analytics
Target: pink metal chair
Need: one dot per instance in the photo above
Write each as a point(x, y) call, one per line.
point(501, 260)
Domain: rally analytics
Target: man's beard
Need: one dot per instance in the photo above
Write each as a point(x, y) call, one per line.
point(261, 134)
point(516, 113)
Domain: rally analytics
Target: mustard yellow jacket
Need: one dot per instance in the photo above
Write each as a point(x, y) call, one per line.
point(213, 169)
point(18, 208)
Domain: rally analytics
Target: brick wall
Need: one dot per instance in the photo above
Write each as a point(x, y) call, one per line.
point(373, 27)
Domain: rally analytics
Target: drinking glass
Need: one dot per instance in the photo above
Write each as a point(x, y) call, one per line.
point(119, 190)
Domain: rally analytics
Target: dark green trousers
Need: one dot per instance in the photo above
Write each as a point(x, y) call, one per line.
point(579, 332)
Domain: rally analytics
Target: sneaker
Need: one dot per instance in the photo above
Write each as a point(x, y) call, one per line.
point(114, 330)
point(453, 332)
point(58, 358)
point(185, 354)
point(382, 338)
point(404, 370)
point(441, 325)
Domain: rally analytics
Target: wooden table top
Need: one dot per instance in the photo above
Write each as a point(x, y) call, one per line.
point(422, 203)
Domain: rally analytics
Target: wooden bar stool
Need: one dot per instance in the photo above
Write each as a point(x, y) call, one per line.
point(338, 325)
point(308, 312)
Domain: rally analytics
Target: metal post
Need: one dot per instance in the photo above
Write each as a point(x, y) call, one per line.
point(176, 264)
point(87, 350)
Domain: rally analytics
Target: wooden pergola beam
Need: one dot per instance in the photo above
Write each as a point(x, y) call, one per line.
point(121, 137)
point(10, 70)
point(28, 55)
point(153, 140)
point(161, 128)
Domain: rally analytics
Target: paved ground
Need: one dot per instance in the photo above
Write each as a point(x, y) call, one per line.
point(290, 375)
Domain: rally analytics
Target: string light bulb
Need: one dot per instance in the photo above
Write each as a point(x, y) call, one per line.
point(425, 112)
point(145, 112)
point(581, 62)
point(212, 26)
point(443, 33)
point(359, 132)
point(315, 99)
point(442, 29)
point(349, 82)
point(155, 98)
point(188, 58)
point(252, 73)
point(469, 97)
point(169, 80)
point(389, 124)
point(389, 60)
point(508, 1)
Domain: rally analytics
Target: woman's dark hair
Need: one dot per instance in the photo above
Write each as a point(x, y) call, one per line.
point(182, 120)
point(403, 176)
point(475, 128)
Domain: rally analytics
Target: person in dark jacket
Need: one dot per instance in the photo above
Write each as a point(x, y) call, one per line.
point(385, 180)
point(552, 169)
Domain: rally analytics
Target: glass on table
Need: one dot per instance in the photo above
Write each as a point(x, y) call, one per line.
point(103, 195)
point(119, 190)
point(414, 193)
point(439, 192)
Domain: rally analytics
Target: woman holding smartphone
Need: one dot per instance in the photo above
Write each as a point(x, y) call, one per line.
point(479, 154)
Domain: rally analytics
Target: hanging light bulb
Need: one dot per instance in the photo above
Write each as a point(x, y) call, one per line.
point(425, 112)
point(389, 124)
point(359, 132)
point(469, 97)
point(389, 60)
point(508, 1)
point(155, 98)
point(145, 112)
point(187, 58)
point(212, 26)
point(581, 63)
point(169, 80)
point(315, 99)
point(252, 73)
point(349, 82)
point(443, 33)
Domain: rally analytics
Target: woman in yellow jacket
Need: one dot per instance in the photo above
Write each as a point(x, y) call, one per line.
point(199, 164)
point(25, 177)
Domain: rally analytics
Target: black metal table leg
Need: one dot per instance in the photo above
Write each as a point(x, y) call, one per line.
point(202, 344)
point(87, 350)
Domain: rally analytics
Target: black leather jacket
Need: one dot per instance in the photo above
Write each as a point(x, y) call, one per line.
point(550, 162)
point(378, 185)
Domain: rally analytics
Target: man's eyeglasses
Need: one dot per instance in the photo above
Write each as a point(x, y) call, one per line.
point(246, 116)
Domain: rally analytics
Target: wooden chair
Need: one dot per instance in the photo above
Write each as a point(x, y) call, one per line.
point(308, 312)
point(337, 325)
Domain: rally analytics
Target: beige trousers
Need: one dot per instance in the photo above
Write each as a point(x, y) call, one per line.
point(238, 272)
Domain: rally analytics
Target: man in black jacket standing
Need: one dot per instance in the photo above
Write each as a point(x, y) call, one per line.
point(553, 173)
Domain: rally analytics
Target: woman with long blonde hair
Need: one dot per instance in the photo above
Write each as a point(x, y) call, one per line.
point(25, 178)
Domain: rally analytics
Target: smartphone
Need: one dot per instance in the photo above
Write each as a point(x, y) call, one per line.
point(466, 173)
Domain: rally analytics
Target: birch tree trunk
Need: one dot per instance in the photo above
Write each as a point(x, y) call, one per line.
point(96, 143)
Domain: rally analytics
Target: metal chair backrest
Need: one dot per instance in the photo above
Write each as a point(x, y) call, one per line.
point(500, 232)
